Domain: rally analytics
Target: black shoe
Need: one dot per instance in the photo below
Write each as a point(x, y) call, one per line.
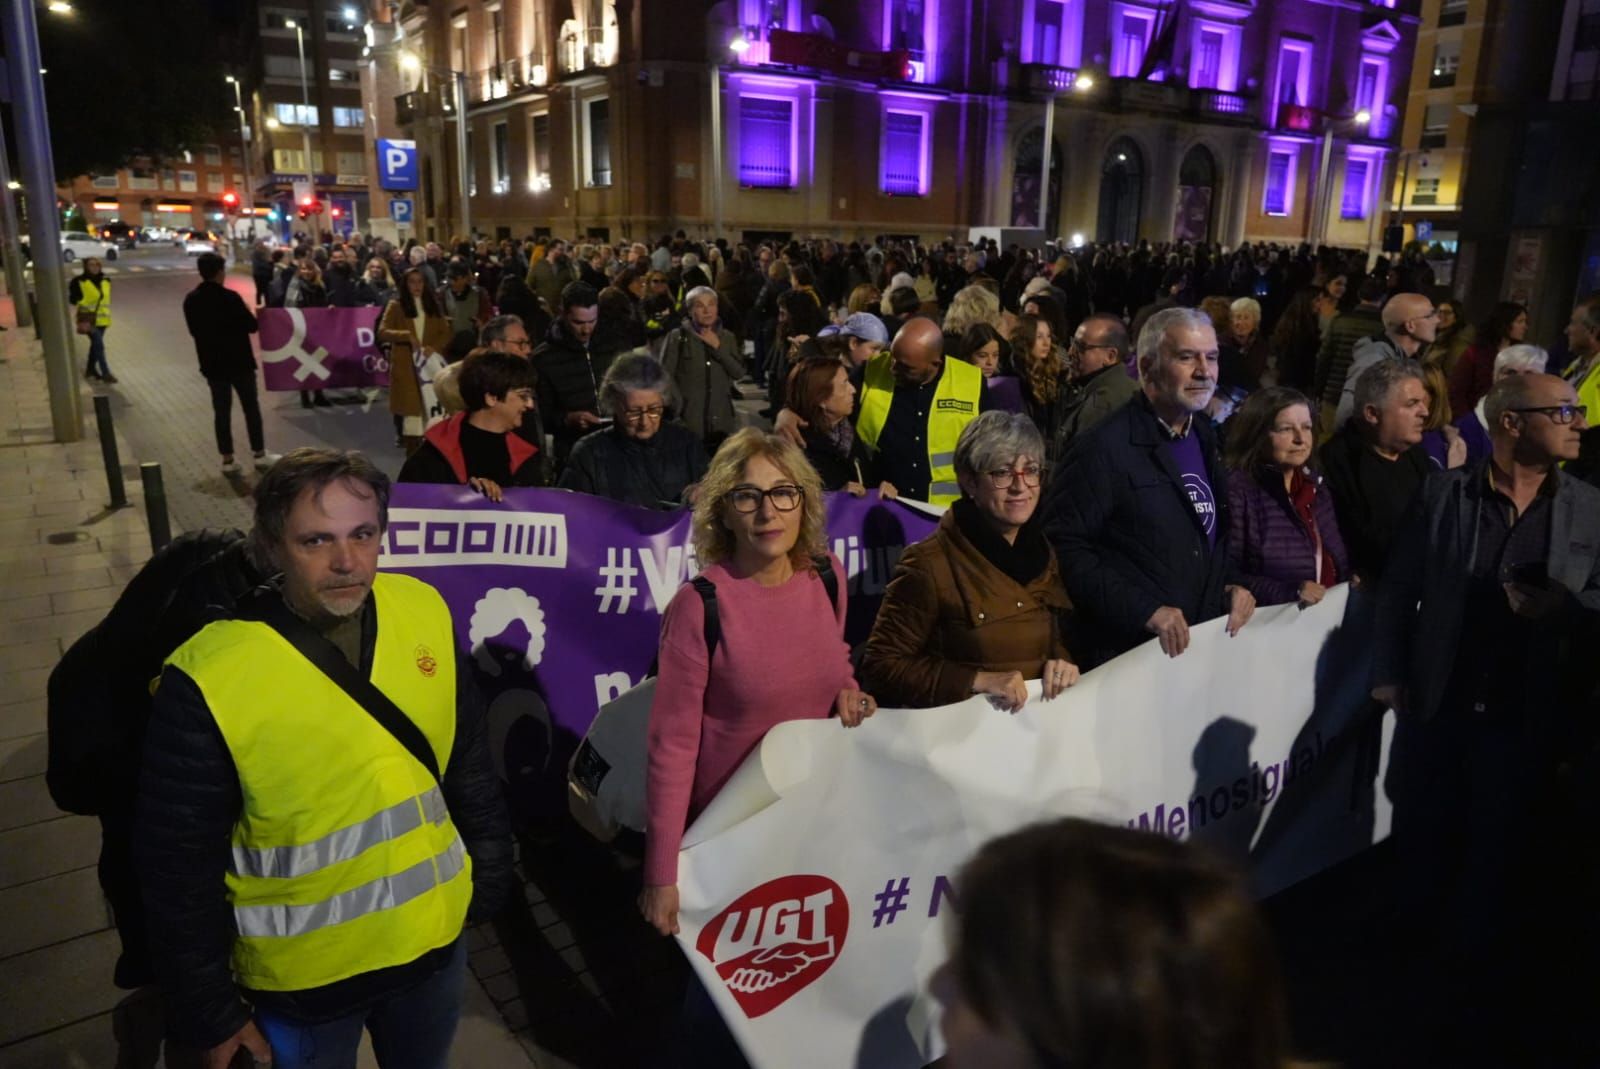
point(320, 401)
point(305, 400)
point(110, 379)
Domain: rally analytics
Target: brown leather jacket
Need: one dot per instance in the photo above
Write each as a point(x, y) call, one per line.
point(949, 614)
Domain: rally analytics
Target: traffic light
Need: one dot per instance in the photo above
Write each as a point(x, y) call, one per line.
point(230, 202)
point(309, 206)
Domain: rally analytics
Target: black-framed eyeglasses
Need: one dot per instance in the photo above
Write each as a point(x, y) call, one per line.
point(1002, 478)
point(1084, 347)
point(1561, 415)
point(640, 415)
point(785, 497)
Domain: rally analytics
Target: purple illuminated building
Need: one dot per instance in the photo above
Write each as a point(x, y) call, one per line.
point(1220, 120)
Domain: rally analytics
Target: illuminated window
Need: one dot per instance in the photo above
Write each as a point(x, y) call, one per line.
point(539, 155)
point(1427, 191)
point(1052, 32)
point(296, 114)
point(348, 118)
point(1292, 88)
point(1354, 203)
point(905, 154)
point(1446, 61)
point(1279, 195)
point(766, 142)
point(502, 157)
point(1132, 37)
point(1214, 56)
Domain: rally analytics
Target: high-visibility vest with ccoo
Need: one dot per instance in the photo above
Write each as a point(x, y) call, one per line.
point(955, 404)
point(345, 859)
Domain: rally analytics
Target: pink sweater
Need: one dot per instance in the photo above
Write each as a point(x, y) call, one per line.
point(782, 657)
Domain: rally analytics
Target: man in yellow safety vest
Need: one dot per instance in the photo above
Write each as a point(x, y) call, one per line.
point(318, 816)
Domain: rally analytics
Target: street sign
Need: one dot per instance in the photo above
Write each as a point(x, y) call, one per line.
point(401, 209)
point(1424, 232)
point(397, 164)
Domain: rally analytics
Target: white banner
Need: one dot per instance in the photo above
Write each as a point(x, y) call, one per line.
point(815, 889)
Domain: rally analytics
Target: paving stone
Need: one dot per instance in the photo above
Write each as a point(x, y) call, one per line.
point(22, 718)
point(41, 654)
point(26, 685)
point(49, 848)
point(11, 588)
point(22, 757)
point(86, 1044)
point(57, 985)
point(490, 961)
point(67, 625)
point(28, 608)
point(51, 910)
point(79, 600)
point(25, 801)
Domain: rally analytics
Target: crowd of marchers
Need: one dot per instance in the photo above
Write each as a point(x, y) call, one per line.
point(1131, 441)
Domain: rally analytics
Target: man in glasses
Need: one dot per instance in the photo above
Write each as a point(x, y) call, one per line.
point(1410, 322)
point(1100, 383)
point(1485, 615)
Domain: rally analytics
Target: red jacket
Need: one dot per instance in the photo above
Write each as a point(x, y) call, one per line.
point(441, 456)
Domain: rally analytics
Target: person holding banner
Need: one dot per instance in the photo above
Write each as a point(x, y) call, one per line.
point(479, 447)
point(821, 392)
point(1284, 533)
point(415, 329)
point(643, 458)
point(1138, 514)
point(976, 607)
point(1092, 946)
point(759, 529)
point(305, 290)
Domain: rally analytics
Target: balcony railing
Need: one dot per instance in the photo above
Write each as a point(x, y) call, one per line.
point(419, 104)
point(1230, 106)
point(1136, 95)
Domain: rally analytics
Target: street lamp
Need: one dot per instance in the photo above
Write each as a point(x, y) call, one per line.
point(60, 7)
point(1325, 202)
point(244, 147)
point(739, 45)
point(305, 102)
point(1082, 82)
point(410, 63)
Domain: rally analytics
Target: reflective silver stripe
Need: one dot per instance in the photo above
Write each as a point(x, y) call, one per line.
point(287, 862)
point(385, 893)
point(943, 460)
point(947, 489)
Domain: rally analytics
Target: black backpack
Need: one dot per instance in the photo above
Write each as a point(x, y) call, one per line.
point(99, 694)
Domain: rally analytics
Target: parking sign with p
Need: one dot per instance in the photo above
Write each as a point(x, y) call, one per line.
point(397, 164)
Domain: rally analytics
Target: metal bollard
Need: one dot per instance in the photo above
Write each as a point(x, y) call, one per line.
point(108, 451)
point(155, 506)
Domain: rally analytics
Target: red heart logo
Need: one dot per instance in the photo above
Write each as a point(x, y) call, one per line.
point(776, 939)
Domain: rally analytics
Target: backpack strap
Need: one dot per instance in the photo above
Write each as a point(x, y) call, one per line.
point(713, 628)
point(830, 581)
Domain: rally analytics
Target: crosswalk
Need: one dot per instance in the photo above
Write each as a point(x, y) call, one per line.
point(114, 269)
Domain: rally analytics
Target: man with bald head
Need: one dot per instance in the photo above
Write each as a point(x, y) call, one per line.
point(1410, 322)
point(1484, 649)
point(911, 406)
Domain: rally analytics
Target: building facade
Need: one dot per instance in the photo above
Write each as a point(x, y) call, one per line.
point(1220, 120)
point(305, 105)
point(1530, 229)
point(185, 191)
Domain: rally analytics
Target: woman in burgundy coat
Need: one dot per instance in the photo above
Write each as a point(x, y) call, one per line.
point(1285, 540)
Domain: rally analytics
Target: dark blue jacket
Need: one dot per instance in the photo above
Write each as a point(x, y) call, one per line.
point(1272, 549)
point(1127, 535)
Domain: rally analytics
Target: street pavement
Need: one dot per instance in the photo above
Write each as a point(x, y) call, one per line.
point(567, 976)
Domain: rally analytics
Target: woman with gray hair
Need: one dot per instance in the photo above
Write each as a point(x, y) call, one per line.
point(977, 606)
point(640, 457)
point(702, 359)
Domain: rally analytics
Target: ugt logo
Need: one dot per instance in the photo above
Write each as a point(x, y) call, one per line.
point(776, 939)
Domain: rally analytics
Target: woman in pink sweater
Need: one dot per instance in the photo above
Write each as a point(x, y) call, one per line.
point(759, 528)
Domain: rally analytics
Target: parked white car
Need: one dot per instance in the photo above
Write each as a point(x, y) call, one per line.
point(78, 244)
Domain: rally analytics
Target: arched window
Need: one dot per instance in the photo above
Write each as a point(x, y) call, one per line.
point(1121, 192)
point(1025, 182)
point(1197, 192)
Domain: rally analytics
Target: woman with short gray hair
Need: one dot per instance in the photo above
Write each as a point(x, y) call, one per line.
point(642, 458)
point(703, 359)
point(977, 607)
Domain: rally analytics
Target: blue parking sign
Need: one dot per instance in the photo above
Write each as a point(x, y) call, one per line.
point(397, 164)
point(401, 209)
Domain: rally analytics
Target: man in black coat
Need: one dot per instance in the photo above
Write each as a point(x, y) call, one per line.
point(221, 325)
point(571, 369)
point(1138, 511)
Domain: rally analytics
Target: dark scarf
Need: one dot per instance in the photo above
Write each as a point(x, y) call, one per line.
point(1023, 561)
point(1302, 499)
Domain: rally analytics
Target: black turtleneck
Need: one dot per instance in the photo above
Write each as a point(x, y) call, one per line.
point(1023, 560)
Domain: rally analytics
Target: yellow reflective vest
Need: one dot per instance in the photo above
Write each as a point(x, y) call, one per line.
point(95, 298)
point(345, 859)
point(955, 404)
point(1588, 388)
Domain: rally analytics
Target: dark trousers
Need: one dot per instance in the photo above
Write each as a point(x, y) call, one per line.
point(223, 387)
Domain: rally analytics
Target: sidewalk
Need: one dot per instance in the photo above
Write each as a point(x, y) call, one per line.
point(64, 557)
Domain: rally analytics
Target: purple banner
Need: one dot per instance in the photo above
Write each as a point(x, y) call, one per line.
point(318, 348)
point(558, 595)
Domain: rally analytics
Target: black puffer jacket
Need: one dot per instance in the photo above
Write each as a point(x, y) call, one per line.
point(653, 473)
point(189, 800)
point(569, 381)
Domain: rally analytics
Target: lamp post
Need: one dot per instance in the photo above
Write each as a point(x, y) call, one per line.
point(38, 169)
point(1081, 83)
point(1324, 201)
point(244, 147)
point(410, 62)
point(305, 102)
point(738, 46)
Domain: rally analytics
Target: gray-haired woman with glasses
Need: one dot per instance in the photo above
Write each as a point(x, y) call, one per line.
point(642, 458)
point(759, 531)
point(977, 606)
